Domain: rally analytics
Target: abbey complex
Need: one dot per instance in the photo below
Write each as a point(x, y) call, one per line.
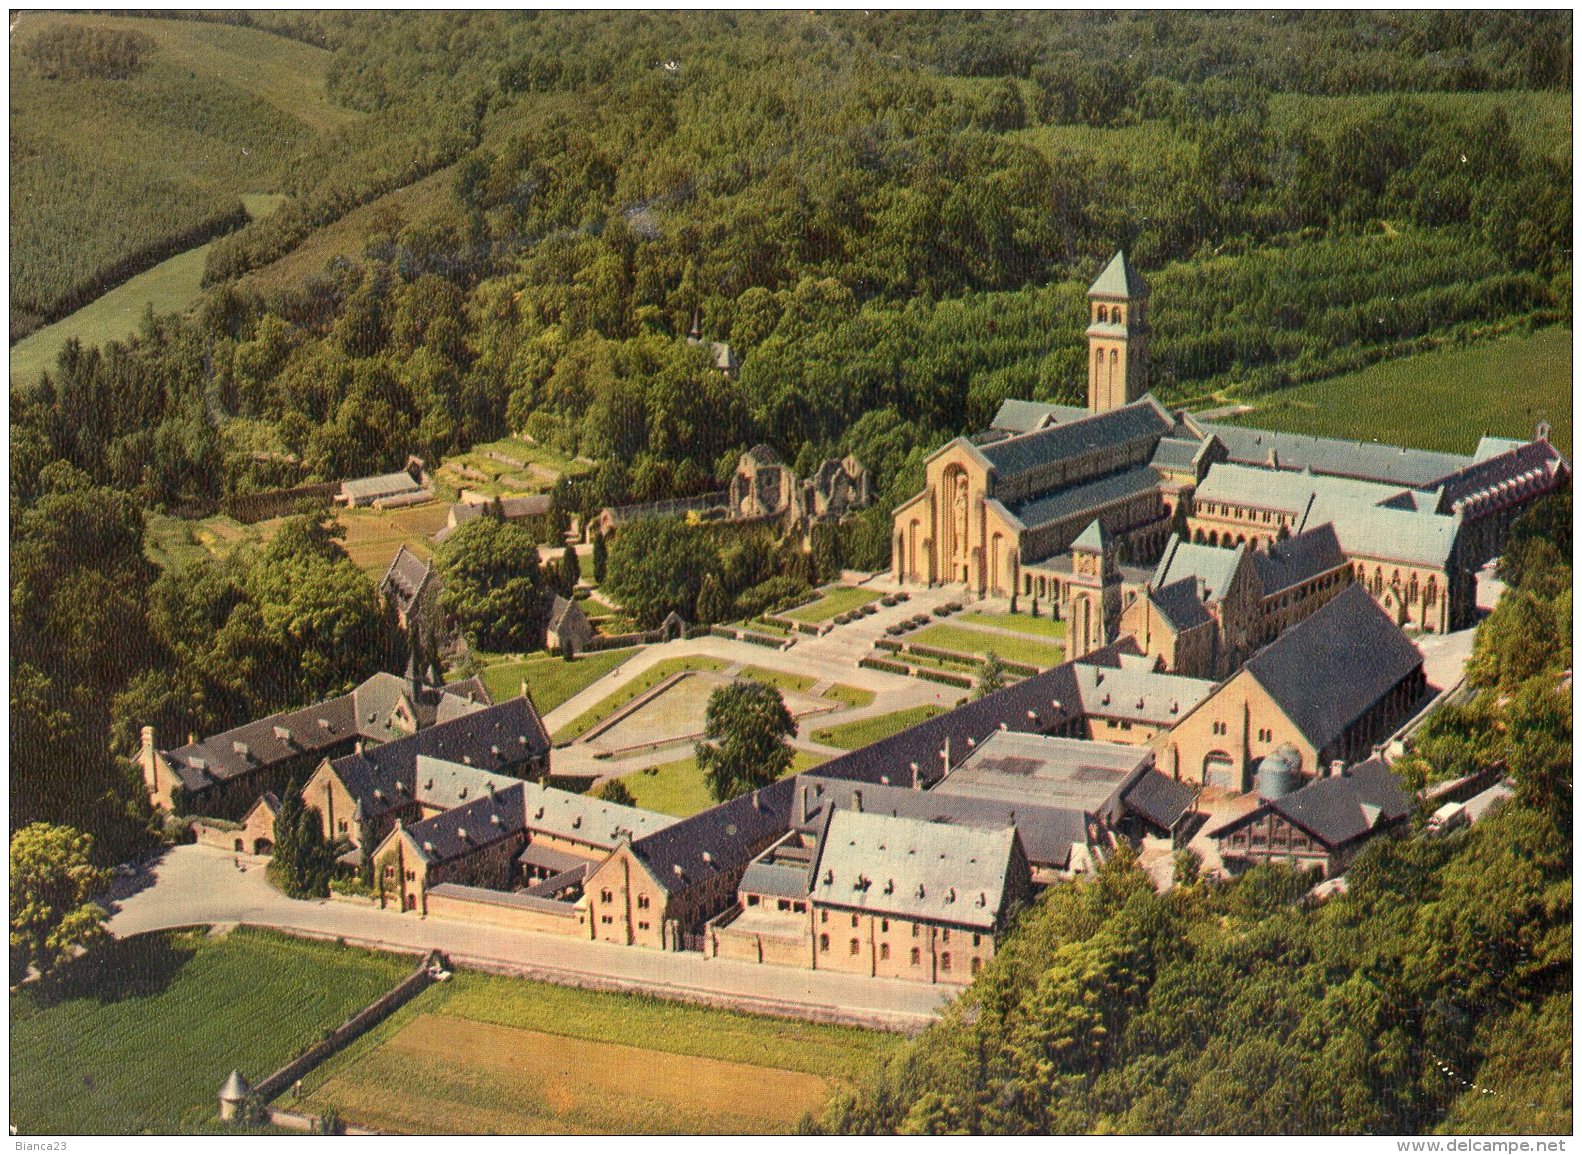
point(1203, 540)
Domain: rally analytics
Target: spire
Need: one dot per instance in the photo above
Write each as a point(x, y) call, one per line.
point(1119, 280)
point(236, 1088)
point(1093, 539)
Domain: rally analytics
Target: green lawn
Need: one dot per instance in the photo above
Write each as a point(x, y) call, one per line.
point(678, 787)
point(965, 640)
point(657, 673)
point(142, 1038)
point(850, 695)
point(866, 731)
point(779, 679)
point(568, 1059)
point(837, 601)
point(551, 680)
point(1021, 623)
point(1443, 400)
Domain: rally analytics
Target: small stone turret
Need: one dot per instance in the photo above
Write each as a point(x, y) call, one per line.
point(232, 1095)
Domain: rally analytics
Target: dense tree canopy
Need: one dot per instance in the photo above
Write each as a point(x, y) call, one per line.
point(492, 586)
point(53, 884)
point(745, 739)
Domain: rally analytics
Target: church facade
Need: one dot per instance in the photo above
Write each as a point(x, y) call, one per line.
point(1006, 512)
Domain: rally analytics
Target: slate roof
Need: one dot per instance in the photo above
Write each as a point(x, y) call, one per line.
point(1210, 568)
point(267, 742)
point(914, 869)
point(1133, 691)
point(1363, 460)
point(1119, 279)
point(1338, 810)
point(1087, 498)
point(1025, 416)
point(1301, 558)
point(1363, 522)
point(1162, 801)
point(549, 858)
point(1093, 538)
point(380, 485)
point(1180, 605)
point(1515, 474)
point(1143, 418)
point(406, 577)
point(1047, 832)
point(730, 834)
point(488, 741)
point(529, 807)
point(1066, 773)
point(558, 609)
point(1328, 669)
point(1176, 453)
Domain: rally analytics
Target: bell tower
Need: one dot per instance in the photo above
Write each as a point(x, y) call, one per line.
point(1094, 592)
point(1117, 337)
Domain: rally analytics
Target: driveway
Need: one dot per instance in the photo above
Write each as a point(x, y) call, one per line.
point(200, 885)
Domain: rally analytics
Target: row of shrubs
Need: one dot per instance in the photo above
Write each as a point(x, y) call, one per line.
point(1019, 668)
point(895, 599)
point(907, 626)
point(963, 681)
point(769, 641)
point(861, 611)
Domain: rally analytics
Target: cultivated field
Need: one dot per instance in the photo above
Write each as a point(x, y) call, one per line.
point(1443, 400)
point(678, 787)
point(142, 1038)
point(483, 1054)
point(104, 171)
point(866, 731)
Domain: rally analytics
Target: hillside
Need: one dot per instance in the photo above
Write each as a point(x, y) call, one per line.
point(114, 168)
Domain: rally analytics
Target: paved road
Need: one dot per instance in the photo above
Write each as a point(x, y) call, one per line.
point(200, 885)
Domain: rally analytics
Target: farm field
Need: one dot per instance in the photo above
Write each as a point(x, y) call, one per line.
point(866, 731)
point(837, 601)
point(966, 640)
point(106, 172)
point(1021, 623)
point(196, 1006)
point(551, 680)
point(498, 1055)
point(172, 286)
point(1442, 400)
point(678, 788)
point(374, 536)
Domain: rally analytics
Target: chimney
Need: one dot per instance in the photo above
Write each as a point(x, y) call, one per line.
point(807, 792)
point(523, 688)
point(856, 801)
point(917, 777)
point(359, 746)
point(1337, 768)
point(945, 754)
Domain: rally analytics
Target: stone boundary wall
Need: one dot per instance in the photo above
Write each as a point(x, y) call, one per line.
point(374, 1013)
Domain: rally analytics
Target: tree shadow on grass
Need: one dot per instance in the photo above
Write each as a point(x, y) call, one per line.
point(119, 969)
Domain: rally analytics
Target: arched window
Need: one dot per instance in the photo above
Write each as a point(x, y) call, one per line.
point(1378, 580)
point(1103, 314)
point(1115, 358)
point(823, 942)
point(1429, 592)
point(884, 952)
point(917, 956)
point(1117, 316)
point(1411, 589)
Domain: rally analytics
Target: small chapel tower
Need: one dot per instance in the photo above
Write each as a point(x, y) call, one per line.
point(1095, 592)
point(1117, 337)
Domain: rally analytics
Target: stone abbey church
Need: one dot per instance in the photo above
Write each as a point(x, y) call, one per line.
point(1203, 540)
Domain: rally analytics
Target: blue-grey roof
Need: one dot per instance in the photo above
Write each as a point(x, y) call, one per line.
point(1301, 558)
point(1140, 420)
point(1343, 809)
point(1176, 453)
point(1025, 416)
point(1364, 460)
point(1160, 800)
point(1119, 279)
point(1091, 496)
point(1212, 568)
point(1133, 691)
point(1329, 669)
point(1067, 773)
point(775, 879)
point(1181, 604)
point(914, 869)
point(381, 485)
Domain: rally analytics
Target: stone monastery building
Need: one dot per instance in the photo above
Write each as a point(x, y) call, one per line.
point(1076, 506)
